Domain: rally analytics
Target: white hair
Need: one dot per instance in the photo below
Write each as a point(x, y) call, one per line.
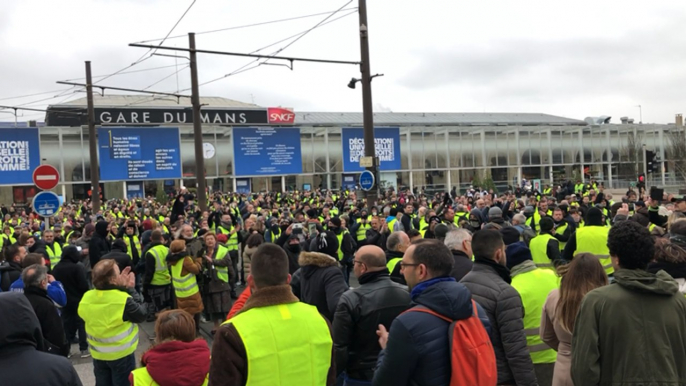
point(519, 218)
point(455, 238)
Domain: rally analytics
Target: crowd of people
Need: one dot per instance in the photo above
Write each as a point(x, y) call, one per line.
point(562, 286)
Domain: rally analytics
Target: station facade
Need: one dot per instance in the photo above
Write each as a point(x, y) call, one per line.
point(437, 150)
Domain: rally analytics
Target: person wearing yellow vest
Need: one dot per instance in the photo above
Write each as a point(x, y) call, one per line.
point(219, 269)
point(346, 246)
point(592, 238)
point(157, 279)
point(563, 230)
point(110, 312)
point(274, 335)
point(396, 245)
point(133, 244)
point(177, 357)
point(183, 271)
point(52, 247)
point(360, 228)
point(232, 232)
point(545, 248)
point(533, 285)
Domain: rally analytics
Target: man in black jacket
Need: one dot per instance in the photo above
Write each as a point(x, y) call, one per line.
point(489, 282)
point(118, 254)
point(35, 278)
point(459, 242)
point(72, 273)
point(10, 272)
point(21, 361)
point(98, 245)
point(378, 300)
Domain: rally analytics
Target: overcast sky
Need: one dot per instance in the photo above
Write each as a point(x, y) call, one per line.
point(574, 59)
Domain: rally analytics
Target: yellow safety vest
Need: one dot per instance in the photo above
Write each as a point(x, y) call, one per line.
point(161, 276)
point(232, 242)
point(109, 337)
point(593, 239)
point(340, 242)
point(391, 224)
point(141, 377)
point(291, 340)
point(392, 263)
point(54, 255)
point(184, 286)
point(222, 272)
point(137, 243)
point(539, 251)
point(362, 230)
point(534, 287)
point(560, 231)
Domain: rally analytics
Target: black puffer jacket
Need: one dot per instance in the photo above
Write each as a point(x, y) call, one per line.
point(50, 321)
point(20, 344)
point(10, 272)
point(462, 266)
point(505, 311)
point(72, 273)
point(418, 351)
point(98, 246)
point(319, 282)
point(378, 300)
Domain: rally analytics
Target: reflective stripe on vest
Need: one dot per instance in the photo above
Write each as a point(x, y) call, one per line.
point(184, 286)
point(539, 251)
point(534, 287)
point(593, 239)
point(362, 230)
point(392, 263)
point(54, 253)
point(109, 337)
point(161, 275)
point(222, 272)
point(291, 340)
point(141, 377)
point(137, 243)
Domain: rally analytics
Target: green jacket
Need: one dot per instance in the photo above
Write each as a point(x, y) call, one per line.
point(631, 332)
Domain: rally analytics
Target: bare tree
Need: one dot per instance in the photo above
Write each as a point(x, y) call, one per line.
point(631, 152)
point(676, 151)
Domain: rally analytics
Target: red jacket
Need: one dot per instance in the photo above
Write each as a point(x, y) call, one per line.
point(240, 302)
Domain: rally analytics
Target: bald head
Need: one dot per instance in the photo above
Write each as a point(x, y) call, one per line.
point(372, 256)
point(398, 242)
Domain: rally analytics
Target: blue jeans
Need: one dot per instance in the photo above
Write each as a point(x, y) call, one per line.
point(114, 373)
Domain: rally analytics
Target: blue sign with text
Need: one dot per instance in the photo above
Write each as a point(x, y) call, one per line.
point(366, 180)
point(387, 145)
point(135, 189)
point(243, 186)
point(46, 203)
point(19, 155)
point(140, 153)
point(266, 151)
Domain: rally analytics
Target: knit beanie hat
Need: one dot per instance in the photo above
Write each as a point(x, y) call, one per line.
point(594, 216)
point(327, 243)
point(517, 253)
point(495, 212)
point(510, 235)
point(546, 224)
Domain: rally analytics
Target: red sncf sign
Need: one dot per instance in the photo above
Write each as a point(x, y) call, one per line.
point(280, 116)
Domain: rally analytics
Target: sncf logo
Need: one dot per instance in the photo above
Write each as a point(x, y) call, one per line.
point(281, 116)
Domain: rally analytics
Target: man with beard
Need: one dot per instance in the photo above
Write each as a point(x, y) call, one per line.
point(376, 235)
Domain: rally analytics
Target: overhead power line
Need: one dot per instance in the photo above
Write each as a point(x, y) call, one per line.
point(249, 25)
point(123, 73)
point(36, 94)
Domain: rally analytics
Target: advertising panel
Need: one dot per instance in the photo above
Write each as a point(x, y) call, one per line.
point(19, 155)
point(139, 153)
point(266, 151)
point(387, 146)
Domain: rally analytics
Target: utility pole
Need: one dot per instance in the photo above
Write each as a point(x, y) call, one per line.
point(367, 111)
point(197, 126)
point(92, 143)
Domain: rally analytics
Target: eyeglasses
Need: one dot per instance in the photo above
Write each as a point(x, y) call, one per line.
point(403, 265)
point(357, 262)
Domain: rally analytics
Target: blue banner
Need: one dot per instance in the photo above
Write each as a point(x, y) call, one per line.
point(349, 181)
point(19, 155)
point(387, 146)
point(243, 186)
point(140, 153)
point(266, 151)
point(134, 190)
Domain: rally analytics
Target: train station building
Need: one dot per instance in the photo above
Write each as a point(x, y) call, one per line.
point(433, 151)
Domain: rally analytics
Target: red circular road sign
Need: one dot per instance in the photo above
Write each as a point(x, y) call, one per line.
point(46, 177)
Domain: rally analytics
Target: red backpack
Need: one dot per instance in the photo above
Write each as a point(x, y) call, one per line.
point(472, 359)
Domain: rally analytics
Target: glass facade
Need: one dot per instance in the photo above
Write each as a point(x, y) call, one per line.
point(433, 157)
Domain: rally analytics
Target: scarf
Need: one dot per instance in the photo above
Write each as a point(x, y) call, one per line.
point(419, 288)
point(501, 270)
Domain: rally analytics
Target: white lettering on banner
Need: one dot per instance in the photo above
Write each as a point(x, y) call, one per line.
point(134, 117)
point(384, 148)
point(146, 117)
point(105, 117)
point(14, 156)
point(181, 118)
point(205, 118)
point(120, 118)
point(168, 117)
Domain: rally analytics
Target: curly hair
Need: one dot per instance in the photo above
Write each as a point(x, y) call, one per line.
point(632, 244)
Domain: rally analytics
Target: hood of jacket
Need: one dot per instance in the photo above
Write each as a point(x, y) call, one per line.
point(659, 283)
point(445, 296)
point(72, 254)
point(101, 229)
point(311, 262)
point(19, 327)
point(178, 363)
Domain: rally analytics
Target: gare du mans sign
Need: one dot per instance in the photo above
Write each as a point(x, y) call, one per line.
point(66, 116)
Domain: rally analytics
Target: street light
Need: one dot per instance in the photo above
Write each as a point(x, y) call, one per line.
point(353, 81)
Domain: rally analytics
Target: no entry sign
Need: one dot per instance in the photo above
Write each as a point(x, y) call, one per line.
point(46, 177)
